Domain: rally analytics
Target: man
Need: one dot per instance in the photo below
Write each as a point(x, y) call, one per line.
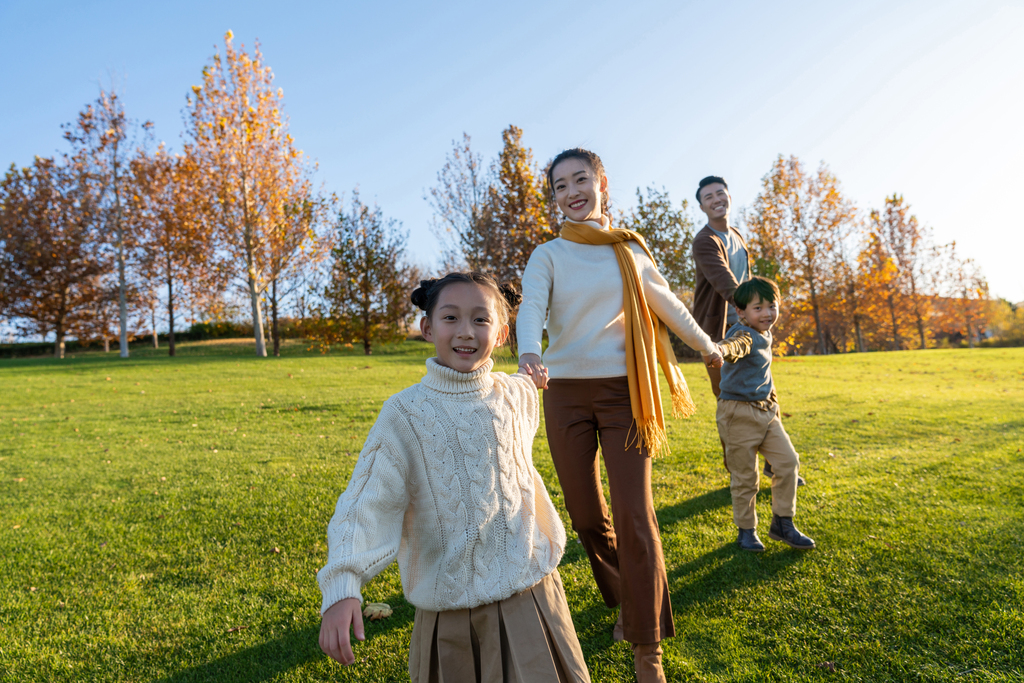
point(721, 263)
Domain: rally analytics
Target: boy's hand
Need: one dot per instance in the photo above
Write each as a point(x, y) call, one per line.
point(334, 637)
point(715, 359)
point(529, 365)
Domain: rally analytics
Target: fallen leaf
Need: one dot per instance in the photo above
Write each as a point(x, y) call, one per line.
point(277, 550)
point(786, 415)
point(827, 666)
point(32, 589)
point(236, 628)
point(19, 479)
point(377, 610)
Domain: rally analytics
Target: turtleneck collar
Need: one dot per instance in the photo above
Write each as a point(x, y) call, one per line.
point(455, 383)
point(603, 224)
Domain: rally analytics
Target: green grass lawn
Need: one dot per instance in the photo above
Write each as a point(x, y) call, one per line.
point(163, 519)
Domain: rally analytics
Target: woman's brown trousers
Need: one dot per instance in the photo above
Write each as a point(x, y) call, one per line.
point(626, 559)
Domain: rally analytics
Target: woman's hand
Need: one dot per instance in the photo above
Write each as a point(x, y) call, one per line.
point(334, 637)
point(530, 365)
point(715, 359)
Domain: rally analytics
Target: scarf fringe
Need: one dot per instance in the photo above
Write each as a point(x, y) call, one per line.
point(682, 402)
point(651, 435)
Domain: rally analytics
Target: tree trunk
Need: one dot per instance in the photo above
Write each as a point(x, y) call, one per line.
point(967, 316)
point(156, 339)
point(257, 318)
point(170, 309)
point(895, 328)
point(274, 331)
point(106, 345)
point(920, 330)
point(58, 344)
point(121, 286)
point(817, 322)
point(860, 335)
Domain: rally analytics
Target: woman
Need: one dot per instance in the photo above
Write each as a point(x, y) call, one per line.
point(605, 303)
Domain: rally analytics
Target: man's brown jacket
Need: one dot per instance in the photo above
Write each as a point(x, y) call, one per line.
point(714, 283)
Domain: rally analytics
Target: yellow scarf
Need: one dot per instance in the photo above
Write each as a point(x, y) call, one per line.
point(646, 337)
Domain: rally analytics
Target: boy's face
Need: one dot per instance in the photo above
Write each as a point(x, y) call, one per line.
point(760, 315)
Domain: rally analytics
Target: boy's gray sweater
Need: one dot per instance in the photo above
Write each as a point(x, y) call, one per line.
point(747, 373)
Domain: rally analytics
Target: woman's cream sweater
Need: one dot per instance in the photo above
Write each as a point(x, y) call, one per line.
point(446, 484)
point(578, 288)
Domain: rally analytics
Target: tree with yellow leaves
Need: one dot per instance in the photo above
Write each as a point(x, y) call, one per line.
point(249, 166)
point(175, 235)
point(492, 220)
point(797, 223)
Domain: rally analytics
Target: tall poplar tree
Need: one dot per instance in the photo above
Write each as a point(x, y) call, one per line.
point(249, 165)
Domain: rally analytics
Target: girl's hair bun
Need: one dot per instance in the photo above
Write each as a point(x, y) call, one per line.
point(512, 297)
point(421, 295)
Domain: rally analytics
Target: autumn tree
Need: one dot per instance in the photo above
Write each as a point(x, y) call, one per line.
point(493, 219)
point(668, 231)
point(176, 237)
point(366, 300)
point(905, 243)
point(295, 244)
point(797, 221)
point(238, 137)
point(53, 264)
point(461, 205)
point(101, 139)
point(966, 296)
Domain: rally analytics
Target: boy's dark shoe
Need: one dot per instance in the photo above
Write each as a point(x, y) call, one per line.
point(768, 473)
point(748, 540)
point(782, 529)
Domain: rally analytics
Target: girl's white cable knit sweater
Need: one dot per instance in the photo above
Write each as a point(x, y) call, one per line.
point(445, 483)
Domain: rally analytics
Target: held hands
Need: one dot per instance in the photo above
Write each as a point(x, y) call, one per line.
point(334, 636)
point(715, 359)
point(530, 365)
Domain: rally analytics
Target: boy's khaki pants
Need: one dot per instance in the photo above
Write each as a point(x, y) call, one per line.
point(745, 429)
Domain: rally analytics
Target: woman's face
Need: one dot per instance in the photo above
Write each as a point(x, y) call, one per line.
point(578, 190)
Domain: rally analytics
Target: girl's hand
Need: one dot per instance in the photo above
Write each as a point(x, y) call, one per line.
point(334, 637)
point(715, 359)
point(530, 365)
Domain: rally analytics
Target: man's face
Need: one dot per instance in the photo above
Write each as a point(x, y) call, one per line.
point(715, 200)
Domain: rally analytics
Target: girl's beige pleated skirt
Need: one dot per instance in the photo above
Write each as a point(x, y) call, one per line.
point(527, 638)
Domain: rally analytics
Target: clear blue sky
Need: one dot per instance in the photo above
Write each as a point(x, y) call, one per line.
point(922, 98)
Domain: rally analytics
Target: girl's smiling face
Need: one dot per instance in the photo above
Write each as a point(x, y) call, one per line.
point(578, 190)
point(465, 326)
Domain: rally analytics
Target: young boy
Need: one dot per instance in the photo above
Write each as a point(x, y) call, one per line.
point(749, 419)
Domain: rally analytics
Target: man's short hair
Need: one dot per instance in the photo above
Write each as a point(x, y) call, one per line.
point(764, 288)
point(710, 180)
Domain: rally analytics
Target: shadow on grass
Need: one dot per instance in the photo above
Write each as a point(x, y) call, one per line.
point(269, 659)
point(261, 662)
point(693, 507)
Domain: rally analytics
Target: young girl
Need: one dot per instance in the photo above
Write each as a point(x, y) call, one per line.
point(606, 307)
point(446, 484)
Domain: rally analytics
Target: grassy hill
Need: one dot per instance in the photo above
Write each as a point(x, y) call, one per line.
point(163, 519)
